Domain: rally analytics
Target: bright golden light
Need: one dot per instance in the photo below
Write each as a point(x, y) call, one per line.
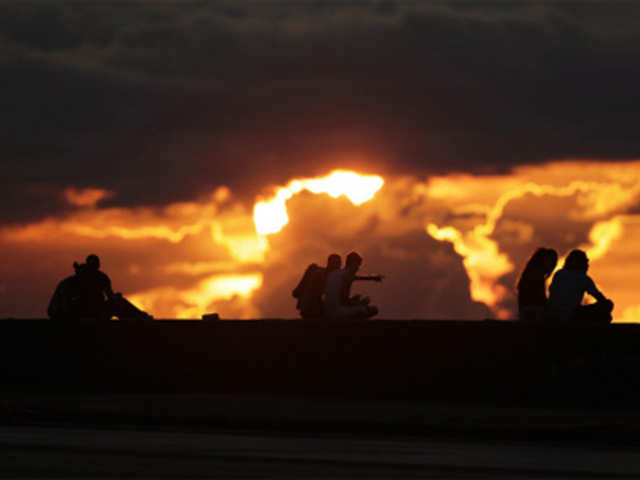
point(482, 260)
point(492, 222)
point(484, 263)
point(601, 236)
point(629, 315)
point(244, 247)
point(271, 215)
point(193, 302)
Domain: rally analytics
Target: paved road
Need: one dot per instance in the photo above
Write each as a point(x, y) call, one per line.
point(48, 452)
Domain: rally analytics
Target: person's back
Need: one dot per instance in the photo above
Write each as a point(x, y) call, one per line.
point(309, 292)
point(567, 290)
point(95, 288)
point(531, 286)
point(334, 289)
point(311, 287)
point(531, 290)
point(64, 304)
point(95, 284)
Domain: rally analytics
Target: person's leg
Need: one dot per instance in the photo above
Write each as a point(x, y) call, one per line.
point(357, 311)
point(120, 307)
point(599, 312)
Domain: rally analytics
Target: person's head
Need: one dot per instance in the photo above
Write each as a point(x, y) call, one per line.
point(577, 260)
point(353, 262)
point(542, 262)
point(334, 262)
point(93, 262)
point(549, 261)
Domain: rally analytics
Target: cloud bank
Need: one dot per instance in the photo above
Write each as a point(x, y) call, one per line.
point(450, 246)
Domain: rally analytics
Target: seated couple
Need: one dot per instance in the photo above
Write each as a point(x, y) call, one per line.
point(566, 291)
point(326, 292)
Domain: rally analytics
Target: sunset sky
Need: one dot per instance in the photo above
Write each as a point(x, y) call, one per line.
point(209, 153)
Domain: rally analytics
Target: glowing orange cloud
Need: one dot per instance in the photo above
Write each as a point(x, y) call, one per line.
point(193, 302)
point(484, 262)
point(601, 236)
point(87, 197)
point(271, 215)
point(217, 248)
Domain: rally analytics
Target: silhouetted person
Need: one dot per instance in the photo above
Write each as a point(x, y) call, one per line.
point(567, 290)
point(66, 303)
point(339, 304)
point(95, 287)
point(88, 294)
point(532, 296)
point(311, 287)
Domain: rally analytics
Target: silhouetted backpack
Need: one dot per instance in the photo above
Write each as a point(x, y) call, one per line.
point(309, 291)
point(65, 302)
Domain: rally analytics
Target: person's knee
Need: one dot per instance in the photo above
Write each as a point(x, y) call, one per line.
point(607, 306)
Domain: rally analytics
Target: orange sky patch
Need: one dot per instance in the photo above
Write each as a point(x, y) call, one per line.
point(217, 252)
point(86, 197)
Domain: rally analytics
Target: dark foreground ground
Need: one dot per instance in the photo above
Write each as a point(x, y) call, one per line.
point(291, 399)
point(212, 436)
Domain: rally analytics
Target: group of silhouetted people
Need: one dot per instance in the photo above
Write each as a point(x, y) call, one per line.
point(325, 292)
point(566, 292)
point(88, 294)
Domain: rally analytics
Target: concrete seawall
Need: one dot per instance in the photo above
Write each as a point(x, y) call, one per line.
point(443, 361)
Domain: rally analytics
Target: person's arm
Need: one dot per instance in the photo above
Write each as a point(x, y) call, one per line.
point(591, 289)
point(373, 278)
point(107, 288)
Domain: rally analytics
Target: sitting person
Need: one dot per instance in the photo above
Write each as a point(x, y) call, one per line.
point(567, 290)
point(338, 303)
point(65, 303)
point(88, 294)
point(311, 287)
point(95, 287)
point(532, 296)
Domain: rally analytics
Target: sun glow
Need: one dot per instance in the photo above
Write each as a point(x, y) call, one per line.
point(270, 216)
point(193, 302)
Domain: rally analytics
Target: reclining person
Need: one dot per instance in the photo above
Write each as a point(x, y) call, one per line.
point(311, 287)
point(338, 303)
point(567, 289)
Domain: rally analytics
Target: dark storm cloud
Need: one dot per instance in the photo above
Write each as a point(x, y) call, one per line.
point(163, 101)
